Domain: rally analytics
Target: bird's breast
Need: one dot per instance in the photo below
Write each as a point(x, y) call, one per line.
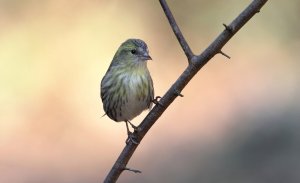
point(136, 96)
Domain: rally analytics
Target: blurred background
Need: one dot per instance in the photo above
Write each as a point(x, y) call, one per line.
point(238, 121)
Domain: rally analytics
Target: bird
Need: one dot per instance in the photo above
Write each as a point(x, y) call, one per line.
point(127, 87)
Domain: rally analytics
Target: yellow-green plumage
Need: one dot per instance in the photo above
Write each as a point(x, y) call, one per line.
point(127, 88)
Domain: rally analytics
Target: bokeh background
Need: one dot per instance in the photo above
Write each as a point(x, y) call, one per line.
point(238, 121)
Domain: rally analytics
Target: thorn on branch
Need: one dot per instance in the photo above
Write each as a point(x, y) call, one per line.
point(257, 11)
point(228, 28)
point(224, 54)
point(178, 93)
point(132, 170)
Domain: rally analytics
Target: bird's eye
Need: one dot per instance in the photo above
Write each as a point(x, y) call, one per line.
point(133, 52)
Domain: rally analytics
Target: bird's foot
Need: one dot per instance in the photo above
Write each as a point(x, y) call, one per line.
point(131, 137)
point(156, 102)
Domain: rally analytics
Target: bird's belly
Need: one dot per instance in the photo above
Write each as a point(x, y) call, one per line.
point(133, 109)
point(135, 101)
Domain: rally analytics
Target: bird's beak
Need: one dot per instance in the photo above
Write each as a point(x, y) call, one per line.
point(146, 56)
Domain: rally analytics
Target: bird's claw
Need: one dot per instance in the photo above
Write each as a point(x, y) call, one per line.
point(131, 138)
point(156, 102)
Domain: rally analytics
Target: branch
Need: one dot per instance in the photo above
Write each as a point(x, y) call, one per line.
point(186, 48)
point(196, 62)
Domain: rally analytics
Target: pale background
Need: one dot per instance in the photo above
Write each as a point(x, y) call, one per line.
point(238, 121)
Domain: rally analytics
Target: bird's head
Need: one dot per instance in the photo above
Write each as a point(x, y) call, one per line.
point(132, 51)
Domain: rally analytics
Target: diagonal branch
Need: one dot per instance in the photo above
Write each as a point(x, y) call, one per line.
point(196, 62)
point(186, 48)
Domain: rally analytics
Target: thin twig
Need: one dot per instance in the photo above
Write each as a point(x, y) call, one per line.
point(185, 46)
point(227, 28)
point(196, 63)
